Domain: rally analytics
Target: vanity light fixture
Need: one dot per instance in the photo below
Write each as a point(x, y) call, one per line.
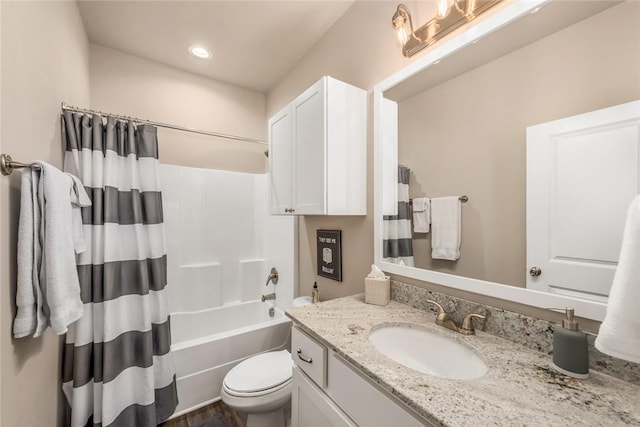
point(450, 15)
point(199, 52)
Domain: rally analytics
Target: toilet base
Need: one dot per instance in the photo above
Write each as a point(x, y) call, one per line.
point(266, 419)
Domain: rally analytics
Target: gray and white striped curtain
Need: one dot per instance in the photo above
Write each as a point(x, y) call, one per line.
point(398, 244)
point(117, 366)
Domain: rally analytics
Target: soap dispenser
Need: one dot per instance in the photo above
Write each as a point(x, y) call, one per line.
point(570, 350)
point(315, 294)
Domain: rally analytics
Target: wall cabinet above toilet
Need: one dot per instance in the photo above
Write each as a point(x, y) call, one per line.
point(318, 152)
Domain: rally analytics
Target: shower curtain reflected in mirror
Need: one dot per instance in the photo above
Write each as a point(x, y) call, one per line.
point(397, 245)
point(117, 364)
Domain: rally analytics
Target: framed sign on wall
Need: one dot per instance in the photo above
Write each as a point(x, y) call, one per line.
point(329, 254)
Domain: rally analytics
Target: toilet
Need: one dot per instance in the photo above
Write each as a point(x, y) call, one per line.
point(260, 386)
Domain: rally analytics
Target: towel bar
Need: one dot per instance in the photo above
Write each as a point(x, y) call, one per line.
point(463, 199)
point(7, 165)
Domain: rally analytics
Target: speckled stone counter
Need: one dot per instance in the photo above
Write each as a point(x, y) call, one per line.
point(519, 388)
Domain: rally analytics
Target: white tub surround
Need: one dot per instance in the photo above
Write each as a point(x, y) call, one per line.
point(519, 389)
point(222, 244)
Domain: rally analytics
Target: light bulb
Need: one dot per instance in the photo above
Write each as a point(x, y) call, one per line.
point(471, 7)
point(403, 35)
point(400, 24)
point(443, 7)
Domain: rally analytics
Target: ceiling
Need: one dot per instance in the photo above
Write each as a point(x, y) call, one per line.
point(254, 44)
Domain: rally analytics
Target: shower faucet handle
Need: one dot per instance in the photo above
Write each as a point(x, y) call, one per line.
point(273, 277)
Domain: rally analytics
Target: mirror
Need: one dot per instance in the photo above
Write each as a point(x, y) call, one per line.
point(463, 111)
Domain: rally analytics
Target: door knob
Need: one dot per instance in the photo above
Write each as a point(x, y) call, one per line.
point(535, 272)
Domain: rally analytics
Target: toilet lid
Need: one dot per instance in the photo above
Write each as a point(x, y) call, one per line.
point(261, 372)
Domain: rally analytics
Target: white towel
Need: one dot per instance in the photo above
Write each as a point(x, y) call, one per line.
point(421, 214)
point(48, 288)
point(29, 315)
point(445, 228)
point(79, 199)
point(619, 334)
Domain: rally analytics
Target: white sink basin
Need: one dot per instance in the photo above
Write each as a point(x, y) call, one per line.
point(428, 352)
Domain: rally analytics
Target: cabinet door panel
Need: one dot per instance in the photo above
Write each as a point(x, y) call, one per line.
point(280, 145)
point(309, 151)
point(310, 407)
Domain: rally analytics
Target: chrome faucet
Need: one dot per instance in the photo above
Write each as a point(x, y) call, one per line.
point(444, 319)
point(268, 297)
point(273, 277)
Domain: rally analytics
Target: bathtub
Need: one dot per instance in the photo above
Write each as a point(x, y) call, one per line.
point(207, 344)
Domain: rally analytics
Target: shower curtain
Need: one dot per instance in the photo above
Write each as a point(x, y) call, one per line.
point(117, 366)
point(397, 245)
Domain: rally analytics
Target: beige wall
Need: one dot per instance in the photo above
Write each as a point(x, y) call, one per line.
point(359, 49)
point(45, 60)
point(129, 85)
point(49, 58)
point(467, 135)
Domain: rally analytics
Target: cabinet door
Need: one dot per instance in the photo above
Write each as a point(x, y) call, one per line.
point(365, 404)
point(309, 151)
point(310, 407)
point(280, 160)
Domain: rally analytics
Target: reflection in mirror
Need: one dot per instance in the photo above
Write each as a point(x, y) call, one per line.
point(582, 174)
point(462, 129)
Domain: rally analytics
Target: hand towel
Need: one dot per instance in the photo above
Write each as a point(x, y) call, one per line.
point(62, 287)
point(48, 286)
point(619, 334)
point(29, 315)
point(421, 214)
point(445, 228)
point(79, 199)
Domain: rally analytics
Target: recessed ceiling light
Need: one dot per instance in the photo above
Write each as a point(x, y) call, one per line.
point(199, 52)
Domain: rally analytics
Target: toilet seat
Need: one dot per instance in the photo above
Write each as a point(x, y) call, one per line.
point(236, 393)
point(259, 375)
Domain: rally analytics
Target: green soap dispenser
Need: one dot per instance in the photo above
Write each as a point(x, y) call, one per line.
point(570, 349)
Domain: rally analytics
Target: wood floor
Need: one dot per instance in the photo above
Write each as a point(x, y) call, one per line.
point(215, 415)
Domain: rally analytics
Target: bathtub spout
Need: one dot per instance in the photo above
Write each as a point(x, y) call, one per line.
point(268, 297)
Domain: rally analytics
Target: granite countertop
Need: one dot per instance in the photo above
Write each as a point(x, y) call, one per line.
point(519, 389)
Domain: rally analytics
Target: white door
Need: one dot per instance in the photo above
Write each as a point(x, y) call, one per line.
point(582, 173)
point(309, 121)
point(280, 160)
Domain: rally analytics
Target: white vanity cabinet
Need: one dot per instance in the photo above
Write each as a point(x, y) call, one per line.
point(328, 391)
point(318, 152)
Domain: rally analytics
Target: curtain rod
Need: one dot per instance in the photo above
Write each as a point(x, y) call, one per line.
point(66, 107)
